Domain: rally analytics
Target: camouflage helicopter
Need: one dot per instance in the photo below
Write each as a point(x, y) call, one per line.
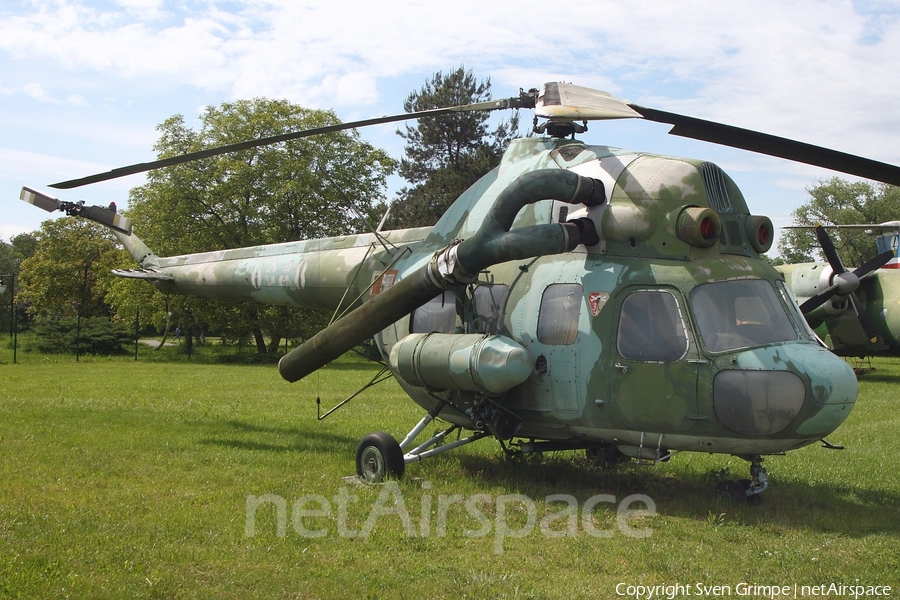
point(856, 312)
point(576, 297)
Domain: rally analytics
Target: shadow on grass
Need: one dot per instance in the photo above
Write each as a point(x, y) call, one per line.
point(254, 437)
point(882, 377)
point(809, 506)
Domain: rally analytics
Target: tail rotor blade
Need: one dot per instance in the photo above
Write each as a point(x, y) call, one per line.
point(105, 216)
point(40, 200)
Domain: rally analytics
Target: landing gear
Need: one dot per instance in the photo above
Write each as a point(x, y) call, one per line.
point(378, 456)
point(746, 490)
point(606, 456)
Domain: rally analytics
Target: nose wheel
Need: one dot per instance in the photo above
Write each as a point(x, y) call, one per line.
point(746, 490)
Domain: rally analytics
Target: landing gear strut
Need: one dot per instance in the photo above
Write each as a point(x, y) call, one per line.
point(746, 490)
point(379, 455)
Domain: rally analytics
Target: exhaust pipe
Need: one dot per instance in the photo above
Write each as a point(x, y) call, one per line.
point(457, 264)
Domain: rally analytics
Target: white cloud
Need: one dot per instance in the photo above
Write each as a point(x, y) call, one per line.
point(144, 9)
point(820, 71)
point(37, 92)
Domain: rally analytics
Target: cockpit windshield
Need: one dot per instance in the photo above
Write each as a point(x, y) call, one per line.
point(740, 314)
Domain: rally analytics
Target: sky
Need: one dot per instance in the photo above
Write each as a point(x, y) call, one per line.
point(84, 84)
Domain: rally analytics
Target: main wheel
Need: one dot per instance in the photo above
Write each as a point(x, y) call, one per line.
point(378, 456)
point(607, 455)
point(731, 492)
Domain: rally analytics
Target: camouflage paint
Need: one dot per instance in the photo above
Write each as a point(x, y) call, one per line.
point(576, 392)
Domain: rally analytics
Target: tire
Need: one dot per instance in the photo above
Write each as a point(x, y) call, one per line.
point(731, 492)
point(606, 456)
point(379, 456)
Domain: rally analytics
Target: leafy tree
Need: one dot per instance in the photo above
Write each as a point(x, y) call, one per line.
point(12, 254)
point(15, 251)
point(840, 202)
point(69, 270)
point(446, 155)
point(23, 245)
point(293, 190)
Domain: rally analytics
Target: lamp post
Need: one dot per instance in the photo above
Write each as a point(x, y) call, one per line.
point(10, 282)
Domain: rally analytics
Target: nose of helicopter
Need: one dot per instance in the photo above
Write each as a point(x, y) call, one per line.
point(832, 393)
point(792, 391)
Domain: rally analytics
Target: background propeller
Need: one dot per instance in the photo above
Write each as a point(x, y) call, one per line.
point(562, 103)
point(844, 282)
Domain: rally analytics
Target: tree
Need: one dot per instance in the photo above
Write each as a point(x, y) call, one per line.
point(300, 189)
point(12, 254)
point(840, 202)
point(69, 272)
point(446, 155)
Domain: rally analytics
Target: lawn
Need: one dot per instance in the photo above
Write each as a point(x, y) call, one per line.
point(123, 478)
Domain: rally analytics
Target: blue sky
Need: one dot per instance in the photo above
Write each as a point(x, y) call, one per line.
point(83, 85)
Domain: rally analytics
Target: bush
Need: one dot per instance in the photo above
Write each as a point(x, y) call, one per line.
point(98, 336)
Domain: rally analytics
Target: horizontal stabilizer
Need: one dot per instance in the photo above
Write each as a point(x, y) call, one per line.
point(147, 274)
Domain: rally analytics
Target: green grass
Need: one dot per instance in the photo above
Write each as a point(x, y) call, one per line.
point(131, 479)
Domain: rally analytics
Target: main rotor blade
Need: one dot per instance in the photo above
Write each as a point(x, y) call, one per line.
point(564, 101)
point(763, 143)
point(873, 229)
point(183, 158)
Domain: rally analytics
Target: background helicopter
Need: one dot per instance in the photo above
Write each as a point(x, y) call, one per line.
point(576, 297)
point(857, 313)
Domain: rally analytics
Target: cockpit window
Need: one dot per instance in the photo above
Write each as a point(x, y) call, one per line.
point(740, 314)
point(560, 308)
point(438, 314)
point(794, 311)
point(651, 328)
point(490, 305)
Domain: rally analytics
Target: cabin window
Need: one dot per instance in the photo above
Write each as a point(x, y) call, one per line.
point(740, 314)
point(558, 317)
point(651, 327)
point(490, 306)
point(436, 315)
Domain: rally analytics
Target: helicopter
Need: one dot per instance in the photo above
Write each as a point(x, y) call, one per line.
point(577, 297)
point(856, 312)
